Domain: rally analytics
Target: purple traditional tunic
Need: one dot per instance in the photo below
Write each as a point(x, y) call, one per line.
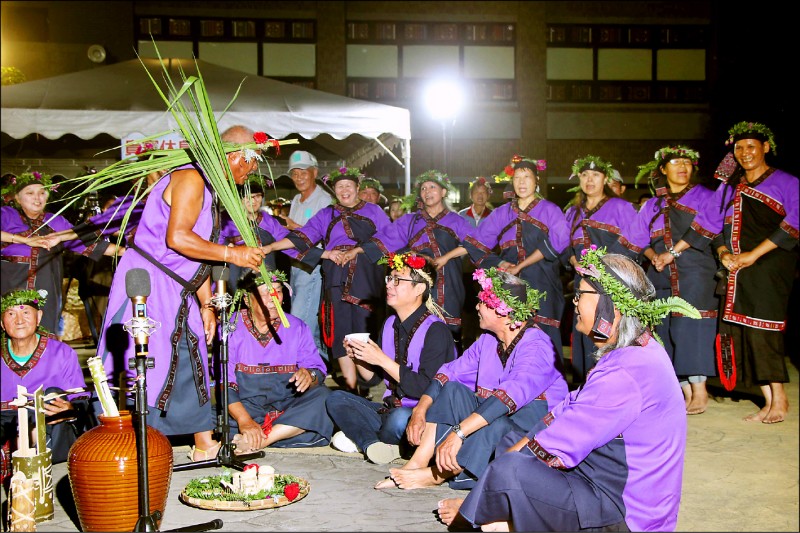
point(510, 388)
point(178, 345)
point(110, 221)
point(351, 291)
point(259, 368)
point(660, 224)
point(24, 267)
point(519, 233)
point(612, 450)
point(600, 226)
point(434, 236)
point(53, 364)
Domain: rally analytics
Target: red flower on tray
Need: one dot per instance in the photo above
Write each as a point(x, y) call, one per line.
point(291, 491)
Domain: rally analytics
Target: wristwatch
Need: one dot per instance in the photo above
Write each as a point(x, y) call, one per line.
point(459, 433)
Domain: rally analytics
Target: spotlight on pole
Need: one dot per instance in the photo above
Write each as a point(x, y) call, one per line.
point(444, 99)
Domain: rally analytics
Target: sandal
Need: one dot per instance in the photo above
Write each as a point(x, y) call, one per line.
point(211, 453)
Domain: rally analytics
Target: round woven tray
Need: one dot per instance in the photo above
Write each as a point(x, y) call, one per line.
point(252, 505)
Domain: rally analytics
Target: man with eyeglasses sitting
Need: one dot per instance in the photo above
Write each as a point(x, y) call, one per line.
point(412, 346)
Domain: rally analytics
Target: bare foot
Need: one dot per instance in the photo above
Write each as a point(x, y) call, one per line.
point(757, 417)
point(418, 478)
point(776, 412)
point(448, 509)
point(386, 483)
point(699, 402)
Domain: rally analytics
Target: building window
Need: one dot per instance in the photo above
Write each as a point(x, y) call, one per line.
point(481, 54)
point(627, 63)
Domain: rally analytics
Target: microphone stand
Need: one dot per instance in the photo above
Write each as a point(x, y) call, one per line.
point(225, 455)
point(141, 327)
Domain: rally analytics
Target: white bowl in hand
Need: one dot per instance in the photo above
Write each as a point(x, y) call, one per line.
point(360, 337)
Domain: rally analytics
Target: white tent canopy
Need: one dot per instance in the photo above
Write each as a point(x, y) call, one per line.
point(120, 99)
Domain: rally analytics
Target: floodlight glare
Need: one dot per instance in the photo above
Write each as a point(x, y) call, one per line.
point(444, 99)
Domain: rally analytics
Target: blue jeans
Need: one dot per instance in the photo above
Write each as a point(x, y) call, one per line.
point(360, 420)
point(306, 291)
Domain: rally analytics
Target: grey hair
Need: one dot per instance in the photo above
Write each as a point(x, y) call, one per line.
point(632, 275)
point(237, 134)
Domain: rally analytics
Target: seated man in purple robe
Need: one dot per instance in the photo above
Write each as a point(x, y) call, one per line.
point(276, 391)
point(33, 357)
point(610, 456)
point(507, 380)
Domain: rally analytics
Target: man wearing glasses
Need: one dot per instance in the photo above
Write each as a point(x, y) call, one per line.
point(411, 348)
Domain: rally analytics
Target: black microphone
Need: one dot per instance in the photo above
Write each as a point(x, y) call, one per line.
point(137, 285)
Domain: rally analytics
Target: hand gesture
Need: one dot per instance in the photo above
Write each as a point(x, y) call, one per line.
point(246, 256)
point(446, 454)
point(416, 427)
point(303, 379)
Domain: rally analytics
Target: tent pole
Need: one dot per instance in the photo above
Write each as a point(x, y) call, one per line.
point(407, 158)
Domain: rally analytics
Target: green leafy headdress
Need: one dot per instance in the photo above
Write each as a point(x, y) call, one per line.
point(30, 297)
point(435, 176)
point(751, 130)
point(497, 295)
point(343, 173)
point(661, 157)
point(592, 162)
point(17, 183)
point(650, 313)
point(370, 183)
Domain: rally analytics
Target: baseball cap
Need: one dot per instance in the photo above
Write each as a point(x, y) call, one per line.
point(302, 160)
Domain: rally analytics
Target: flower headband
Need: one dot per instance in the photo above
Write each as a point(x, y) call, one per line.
point(30, 297)
point(343, 173)
point(661, 157)
point(17, 183)
point(480, 180)
point(417, 264)
point(370, 183)
point(435, 176)
point(495, 296)
point(518, 161)
point(751, 130)
point(611, 285)
point(592, 162)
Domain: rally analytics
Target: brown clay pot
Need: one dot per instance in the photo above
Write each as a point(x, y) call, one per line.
point(103, 471)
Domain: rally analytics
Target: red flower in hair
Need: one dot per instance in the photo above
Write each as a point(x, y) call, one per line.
point(516, 159)
point(415, 261)
point(509, 170)
point(260, 137)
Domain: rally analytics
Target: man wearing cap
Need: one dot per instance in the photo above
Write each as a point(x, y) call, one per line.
point(306, 283)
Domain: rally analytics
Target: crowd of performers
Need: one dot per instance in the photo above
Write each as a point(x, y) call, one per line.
point(693, 284)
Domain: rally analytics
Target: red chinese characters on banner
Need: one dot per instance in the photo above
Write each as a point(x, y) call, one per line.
point(132, 147)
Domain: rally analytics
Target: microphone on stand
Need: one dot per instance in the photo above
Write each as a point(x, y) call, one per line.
point(137, 286)
point(221, 275)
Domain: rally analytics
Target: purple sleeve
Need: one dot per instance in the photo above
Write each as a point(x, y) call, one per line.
point(636, 233)
point(59, 223)
point(533, 371)
point(315, 229)
point(607, 404)
point(464, 369)
point(558, 232)
point(709, 221)
point(110, 220)
point(307, 353)
point(272, 225)
point(786, 236)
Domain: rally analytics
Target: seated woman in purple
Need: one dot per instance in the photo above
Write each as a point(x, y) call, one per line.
point(610, 455)
point(506, 380)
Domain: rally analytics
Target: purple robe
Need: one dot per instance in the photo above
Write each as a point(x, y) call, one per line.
point(433, 236)
point(615, 444)
point(350, 291)
point(53, 364)
point(110, 220)
point(24, 267)
point(518, 234)
point(180, 338)
point(660, 224)
point(530, 371)
point(601, 226)
point(259, 369)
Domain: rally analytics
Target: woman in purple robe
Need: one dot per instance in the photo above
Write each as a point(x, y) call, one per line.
point(756, 212)
point(33, 358)
point(531, 234)
point(277, 389)
point(175, 238)
point(433, 229)
point(38, 268)
point(689, 273)
point(596, 216)
point(351, 288)
point(507, 380)
point(610, 455)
